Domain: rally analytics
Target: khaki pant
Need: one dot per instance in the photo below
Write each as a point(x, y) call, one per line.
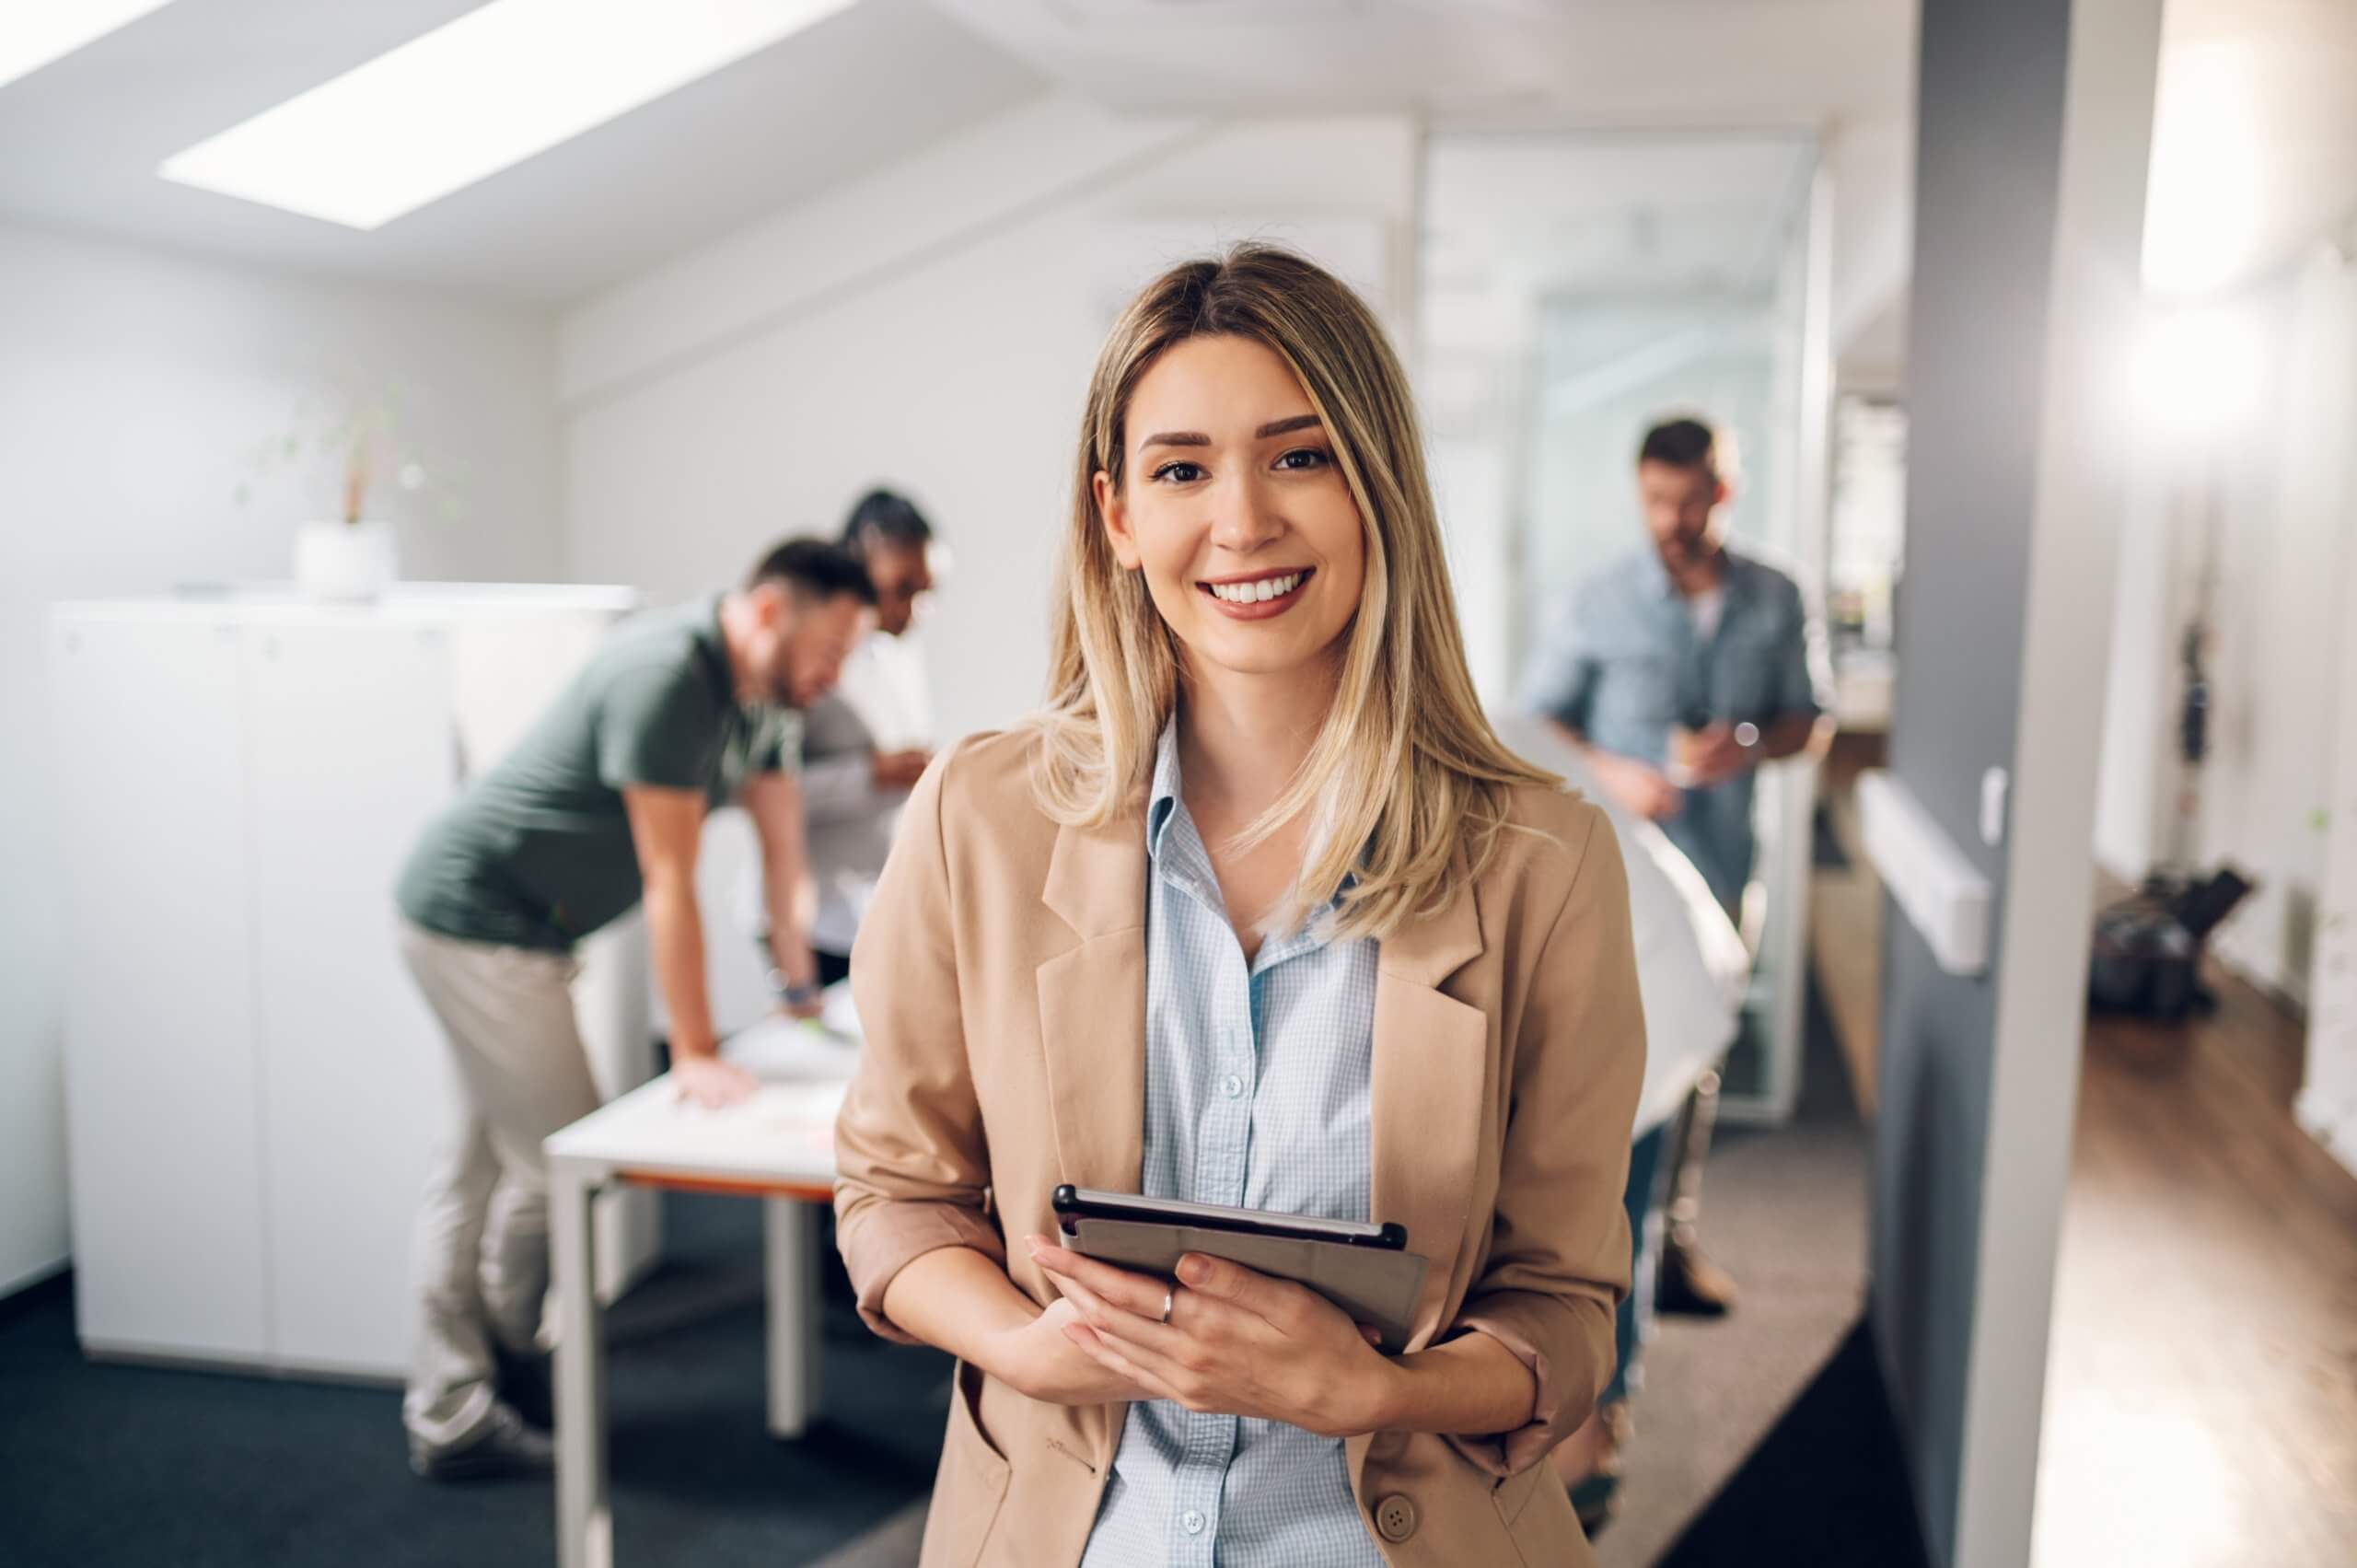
point(481, 1246)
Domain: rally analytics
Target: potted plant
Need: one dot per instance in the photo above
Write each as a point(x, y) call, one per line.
point(350, 556)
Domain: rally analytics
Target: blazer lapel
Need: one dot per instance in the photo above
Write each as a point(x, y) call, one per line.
point(1092, 1004)
point(1432, 1072)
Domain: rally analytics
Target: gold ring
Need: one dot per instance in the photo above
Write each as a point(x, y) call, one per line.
point(1170, 1299)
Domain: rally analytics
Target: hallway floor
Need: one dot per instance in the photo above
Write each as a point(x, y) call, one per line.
point(1784, 1210)
point(2202, 1384)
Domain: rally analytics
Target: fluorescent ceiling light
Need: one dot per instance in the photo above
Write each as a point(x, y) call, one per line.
point(470, 98)
point(34, 32)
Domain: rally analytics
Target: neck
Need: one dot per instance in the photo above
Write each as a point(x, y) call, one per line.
point(1243, 738)
point(1699, 572)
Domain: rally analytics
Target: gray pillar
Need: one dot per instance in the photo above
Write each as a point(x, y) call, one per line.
point(2035, 125)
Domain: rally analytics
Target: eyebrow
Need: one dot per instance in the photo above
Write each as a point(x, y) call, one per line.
point(1196, 438)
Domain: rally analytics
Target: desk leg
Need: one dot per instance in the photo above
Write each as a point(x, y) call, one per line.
point(796, 1317)
point(585, 1525)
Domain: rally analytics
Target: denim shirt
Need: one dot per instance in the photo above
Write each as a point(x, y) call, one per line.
point(1623, 663)
point(1256, 1094)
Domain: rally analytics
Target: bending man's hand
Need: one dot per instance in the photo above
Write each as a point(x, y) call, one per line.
point(710, 1082)
point(1235, 1343)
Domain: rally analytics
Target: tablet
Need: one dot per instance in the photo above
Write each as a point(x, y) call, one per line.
point(1366, 1270)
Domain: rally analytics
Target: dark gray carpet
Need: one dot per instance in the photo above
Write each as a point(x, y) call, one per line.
point(105, 1465)
point(1826, 1489)
point(1784, 1210)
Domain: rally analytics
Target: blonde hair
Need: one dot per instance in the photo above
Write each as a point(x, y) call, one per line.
point(1406, 767)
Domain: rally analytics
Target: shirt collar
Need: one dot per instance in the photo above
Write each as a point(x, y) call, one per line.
point(1161, 796)
point(1732, 575)
point(1162, 806)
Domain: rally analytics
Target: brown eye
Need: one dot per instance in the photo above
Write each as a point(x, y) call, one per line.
point(1305, 458)
point(1178, 472)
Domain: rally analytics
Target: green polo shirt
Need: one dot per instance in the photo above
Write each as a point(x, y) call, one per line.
point(537, 852)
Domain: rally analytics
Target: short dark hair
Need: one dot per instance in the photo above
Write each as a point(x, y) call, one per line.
point(890, 517)
point(814, 569)
point(1683, 443)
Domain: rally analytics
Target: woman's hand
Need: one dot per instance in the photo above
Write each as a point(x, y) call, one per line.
point(1235, 1343)
point(1040, 1361)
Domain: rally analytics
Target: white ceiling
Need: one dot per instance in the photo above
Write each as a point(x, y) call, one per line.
point(1515, 223)
point(1719, 64)
point(80, 139)
point(1610, 214)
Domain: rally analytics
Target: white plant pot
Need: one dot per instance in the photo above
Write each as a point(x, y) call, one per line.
point(344, 561)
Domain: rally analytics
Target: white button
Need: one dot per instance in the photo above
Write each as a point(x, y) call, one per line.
point(1192, 1519)
point(1232, 1084)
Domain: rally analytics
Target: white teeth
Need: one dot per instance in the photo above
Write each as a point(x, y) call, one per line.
point(1253, 593)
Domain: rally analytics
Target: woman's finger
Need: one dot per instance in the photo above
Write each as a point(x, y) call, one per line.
point(1194, 1324)
point(1179, 1361)
point(1279, 1303)
point(1111, 1317)
point(1113, 1360)
point(1141, 1294)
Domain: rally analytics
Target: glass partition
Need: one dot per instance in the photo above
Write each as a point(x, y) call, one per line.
point(1577, 287)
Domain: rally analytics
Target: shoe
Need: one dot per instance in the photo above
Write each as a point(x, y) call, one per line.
point(525, 1384)
point(503, 1447)
point(1687, 1284)
point(1591, 1500)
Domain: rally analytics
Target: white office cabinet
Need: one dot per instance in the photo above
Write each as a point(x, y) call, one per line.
point(348, 751)
point(163, 1122)
point(255, 1089)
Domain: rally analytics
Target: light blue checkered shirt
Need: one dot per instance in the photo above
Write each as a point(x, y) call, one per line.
point(1623, 662)
point(1255, 1094)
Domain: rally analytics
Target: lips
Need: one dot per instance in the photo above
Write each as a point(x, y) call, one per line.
point(1258, 596)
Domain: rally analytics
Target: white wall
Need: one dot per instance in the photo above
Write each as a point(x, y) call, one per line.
point(931, 327)
point(2271, 499)
point(133, 391)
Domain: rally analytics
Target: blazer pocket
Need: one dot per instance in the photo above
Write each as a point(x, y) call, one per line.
point(970, 1486)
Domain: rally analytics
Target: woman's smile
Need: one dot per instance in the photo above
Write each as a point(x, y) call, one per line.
point(1259, 594)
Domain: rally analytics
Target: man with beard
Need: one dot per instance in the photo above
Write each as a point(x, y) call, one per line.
point(601, 806)
point(1677, 672)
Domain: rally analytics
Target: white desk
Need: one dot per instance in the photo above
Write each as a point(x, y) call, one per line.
point(778, 1146)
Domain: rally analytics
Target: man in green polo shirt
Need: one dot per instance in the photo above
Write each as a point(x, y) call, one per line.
point(601, 806)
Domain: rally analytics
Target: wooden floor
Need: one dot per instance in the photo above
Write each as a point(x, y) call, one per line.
point(2202, 1380)
point(2201, 1377)
point(1845, 919)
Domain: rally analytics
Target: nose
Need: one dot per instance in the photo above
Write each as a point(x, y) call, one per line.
point(1245, 516)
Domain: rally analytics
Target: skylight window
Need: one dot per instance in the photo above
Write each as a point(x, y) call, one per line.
point(34, 32)
point(475, 96)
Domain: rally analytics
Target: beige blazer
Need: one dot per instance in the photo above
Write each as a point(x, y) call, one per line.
point(1001, 980)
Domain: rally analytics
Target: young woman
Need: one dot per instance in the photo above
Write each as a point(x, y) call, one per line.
point(1258, 911)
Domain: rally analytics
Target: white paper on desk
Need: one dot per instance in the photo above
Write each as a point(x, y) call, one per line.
point(781, 1128)
point(837, 1014)
point(782, 1049)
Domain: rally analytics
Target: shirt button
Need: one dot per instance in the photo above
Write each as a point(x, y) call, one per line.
point(1192, 1521)
point(1232, 1086)
point(1394, 1519)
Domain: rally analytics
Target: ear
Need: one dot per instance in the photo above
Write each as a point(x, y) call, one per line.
point(772, 604)
point(1112, 513)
